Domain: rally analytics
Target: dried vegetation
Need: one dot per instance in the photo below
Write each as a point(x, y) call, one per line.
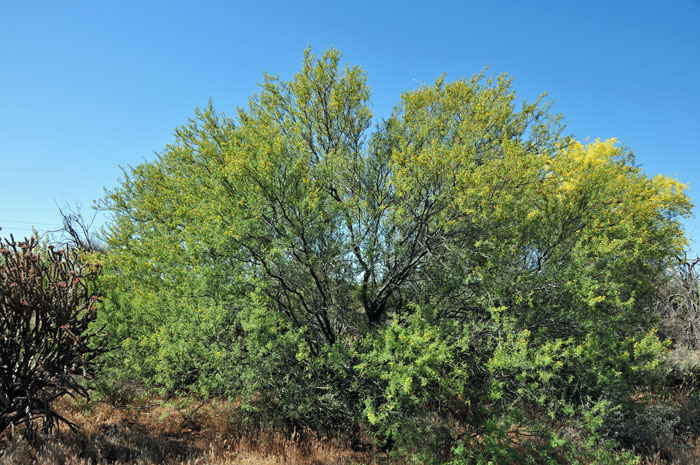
point(158, 432)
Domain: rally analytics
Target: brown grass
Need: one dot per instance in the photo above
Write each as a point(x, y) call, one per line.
point(151, 431)
point(157, 433)
point(688, 454)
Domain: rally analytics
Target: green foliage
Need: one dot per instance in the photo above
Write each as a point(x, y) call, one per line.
point(462, 282)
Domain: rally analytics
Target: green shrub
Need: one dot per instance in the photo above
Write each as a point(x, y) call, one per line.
point(448, 283)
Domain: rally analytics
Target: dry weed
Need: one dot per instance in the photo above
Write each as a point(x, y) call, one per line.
point(156, 433)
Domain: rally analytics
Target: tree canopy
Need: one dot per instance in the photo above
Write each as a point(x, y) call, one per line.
point(430, 278)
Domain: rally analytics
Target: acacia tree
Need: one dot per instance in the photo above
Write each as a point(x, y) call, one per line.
point(435, 279)
point(47, 305)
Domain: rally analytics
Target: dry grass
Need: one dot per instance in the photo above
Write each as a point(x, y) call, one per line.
point(161, 434)
point(688, 454)
point(151, 432)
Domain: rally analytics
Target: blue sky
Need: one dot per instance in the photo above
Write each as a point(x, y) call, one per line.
point(88, 86)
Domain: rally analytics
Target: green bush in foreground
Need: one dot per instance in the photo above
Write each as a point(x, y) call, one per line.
point(462, 282)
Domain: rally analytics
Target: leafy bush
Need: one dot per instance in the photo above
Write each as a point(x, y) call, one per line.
point(47, 305)
point(449, 283)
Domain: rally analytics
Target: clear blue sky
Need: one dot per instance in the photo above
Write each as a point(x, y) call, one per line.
point(88, 86)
